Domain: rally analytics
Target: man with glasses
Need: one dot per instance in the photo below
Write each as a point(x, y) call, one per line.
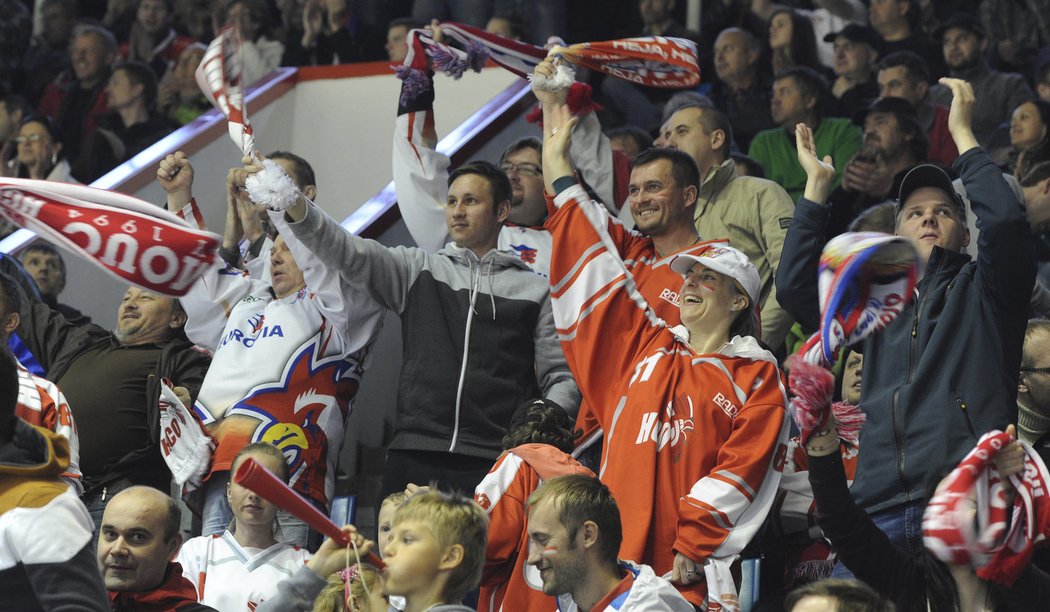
point(1033, 388)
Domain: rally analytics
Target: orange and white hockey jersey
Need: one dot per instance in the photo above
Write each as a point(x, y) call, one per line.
point(690, 439)
point(517, 473)
point(41, 403)
point(656, 283)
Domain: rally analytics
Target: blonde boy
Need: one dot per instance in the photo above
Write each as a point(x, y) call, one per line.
point(437, 551)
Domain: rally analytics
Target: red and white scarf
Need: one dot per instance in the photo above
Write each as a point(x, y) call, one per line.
point(220, 78)
point(132, 240)
point(185, 446)
point(968, 521)
point(653, 61)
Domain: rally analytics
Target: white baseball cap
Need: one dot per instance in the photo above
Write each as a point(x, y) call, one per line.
point(724, 260)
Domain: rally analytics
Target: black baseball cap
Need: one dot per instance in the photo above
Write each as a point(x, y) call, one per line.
point(898, 106)
point(857, 33)
point(928, 175)
point(964, 21)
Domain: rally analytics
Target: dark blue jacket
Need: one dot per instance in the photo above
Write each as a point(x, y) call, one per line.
point(945, 371)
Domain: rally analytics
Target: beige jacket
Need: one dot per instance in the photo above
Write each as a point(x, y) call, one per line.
point(754, 215)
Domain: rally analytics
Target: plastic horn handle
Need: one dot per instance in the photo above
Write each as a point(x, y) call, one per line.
point(262, 481)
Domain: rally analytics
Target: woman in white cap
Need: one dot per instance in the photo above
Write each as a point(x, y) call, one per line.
point(693, 416)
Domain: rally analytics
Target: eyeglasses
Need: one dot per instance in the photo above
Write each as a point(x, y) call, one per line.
point(30, 138)
point(1037, 370)
point(524, 169)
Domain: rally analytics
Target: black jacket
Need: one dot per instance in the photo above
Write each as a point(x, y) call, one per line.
point(57, 344)
point(945, 371)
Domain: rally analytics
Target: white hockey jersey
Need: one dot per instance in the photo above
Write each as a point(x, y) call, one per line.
point(231, 578)
point(284, 370)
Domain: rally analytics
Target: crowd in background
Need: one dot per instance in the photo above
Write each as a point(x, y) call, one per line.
point(813, 118)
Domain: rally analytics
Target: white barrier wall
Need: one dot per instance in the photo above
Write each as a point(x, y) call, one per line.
point(342, 126)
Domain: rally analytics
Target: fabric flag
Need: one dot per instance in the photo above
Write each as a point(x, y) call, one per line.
point(653, 61)
point(132, 240)
point(968, 521)
point(185, 446)
point(518, 57)
point(866, 279)
point(220, 78)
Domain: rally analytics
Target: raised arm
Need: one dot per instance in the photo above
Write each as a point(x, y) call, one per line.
point(1005, 255)
point(796, 277)
point(220, 287)
point(420, 171)
point(386, 273)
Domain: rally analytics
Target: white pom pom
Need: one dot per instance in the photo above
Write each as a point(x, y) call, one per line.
point(563, 78)
point(272, 187)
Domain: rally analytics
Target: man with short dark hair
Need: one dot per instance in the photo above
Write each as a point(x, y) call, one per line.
point(113, 382)
point(893, 142)
point(132, 125)
point(574, 540)
point(478, 332)
point(47, 561)
point(799, 96)
point(153, 41)
point(904, 75)
point(139, 541)
point(998, 93)
point(898, 23)
point(753, 213)
point(925, 387)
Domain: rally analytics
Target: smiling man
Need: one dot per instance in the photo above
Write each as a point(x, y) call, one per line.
point(926, 389)
point(136, 551)
point(477, 330)
point(574, 539)
point(113, 380)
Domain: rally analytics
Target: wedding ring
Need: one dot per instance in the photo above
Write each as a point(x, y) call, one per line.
point(554, 131)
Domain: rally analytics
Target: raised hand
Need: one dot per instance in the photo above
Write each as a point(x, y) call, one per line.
point(820, 174)
point(545, 71)
point(175, 176)
point(960, 117)
point(558, 124)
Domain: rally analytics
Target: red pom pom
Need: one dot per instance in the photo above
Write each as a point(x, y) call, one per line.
point(812, 387)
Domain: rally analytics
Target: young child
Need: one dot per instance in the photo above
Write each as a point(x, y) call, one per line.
point(357, 589)
point(385, 522)
point(437, 551)
point(433, 561)
point(536, 448)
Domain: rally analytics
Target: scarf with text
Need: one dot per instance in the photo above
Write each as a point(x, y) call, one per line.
point(653, 61)
point(130, 239)
point(968, 521)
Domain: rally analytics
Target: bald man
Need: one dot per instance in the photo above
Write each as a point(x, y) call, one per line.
point(137, 544)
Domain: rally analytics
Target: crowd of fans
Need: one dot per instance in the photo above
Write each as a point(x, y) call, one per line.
point(595, 326)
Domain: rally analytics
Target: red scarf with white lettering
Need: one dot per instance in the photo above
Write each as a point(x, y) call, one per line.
point(132, 240)
point(968, 522)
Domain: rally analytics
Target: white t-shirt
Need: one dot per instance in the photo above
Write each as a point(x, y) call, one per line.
point(232, 578)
